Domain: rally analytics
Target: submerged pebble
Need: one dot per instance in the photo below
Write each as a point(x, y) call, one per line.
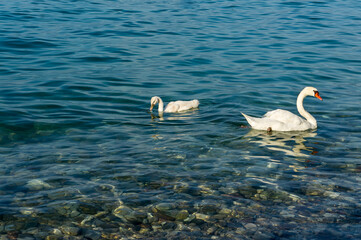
point(70, 230)
point(129, 214)
point(37, 184)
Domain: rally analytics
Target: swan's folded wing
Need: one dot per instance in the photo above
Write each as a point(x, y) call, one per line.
point(264, 123)
point(179, 106)
point(186, 105)
point(284, 116)
point(172, 107)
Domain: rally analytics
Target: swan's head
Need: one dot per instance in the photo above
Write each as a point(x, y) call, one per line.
point(153, 101)
point(311, 91)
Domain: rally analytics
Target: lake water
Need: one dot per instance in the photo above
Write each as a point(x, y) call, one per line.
point(82, 157)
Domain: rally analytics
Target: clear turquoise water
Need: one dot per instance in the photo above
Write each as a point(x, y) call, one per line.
point(77, 140)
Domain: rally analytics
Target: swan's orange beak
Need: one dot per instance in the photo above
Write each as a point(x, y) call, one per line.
point(317, 94)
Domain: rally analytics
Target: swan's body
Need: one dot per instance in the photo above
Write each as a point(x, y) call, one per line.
point(173, 107)
point(282, 120)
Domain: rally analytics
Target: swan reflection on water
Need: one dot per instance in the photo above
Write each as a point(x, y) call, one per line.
point(179, 116)
point(283, 141)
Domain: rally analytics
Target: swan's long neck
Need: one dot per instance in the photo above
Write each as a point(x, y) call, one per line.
point(160, 105)
point(302, 111)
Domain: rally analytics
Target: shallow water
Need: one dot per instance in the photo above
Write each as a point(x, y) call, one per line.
point(82, 156)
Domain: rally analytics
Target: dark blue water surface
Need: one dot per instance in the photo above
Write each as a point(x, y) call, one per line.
point(81, 156)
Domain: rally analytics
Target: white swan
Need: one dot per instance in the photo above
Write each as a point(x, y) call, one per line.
point(282, 120)
point(173, 107)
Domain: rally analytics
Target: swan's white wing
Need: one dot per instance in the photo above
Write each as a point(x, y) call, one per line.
point(172, 107)
point(179, 106)
point(278, 120)
point(264, 123)
point(284, 116)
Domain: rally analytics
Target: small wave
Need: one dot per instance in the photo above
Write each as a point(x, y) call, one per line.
point(28, 43)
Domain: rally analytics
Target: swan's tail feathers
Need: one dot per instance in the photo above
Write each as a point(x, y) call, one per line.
point(195, 103)
point(250, 120)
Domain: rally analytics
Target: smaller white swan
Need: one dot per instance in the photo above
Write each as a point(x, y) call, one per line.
point(282, 120)
point(173, 107)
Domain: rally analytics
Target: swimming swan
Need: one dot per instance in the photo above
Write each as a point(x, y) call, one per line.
point(282, 120)
point(173, 107)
